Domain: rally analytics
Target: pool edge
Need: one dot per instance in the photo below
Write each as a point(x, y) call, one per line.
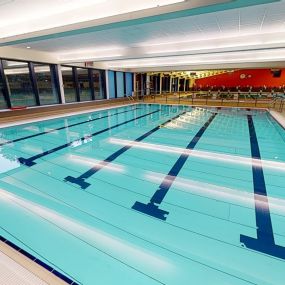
point(278, 117)
point(34, 265)
point(65, 115)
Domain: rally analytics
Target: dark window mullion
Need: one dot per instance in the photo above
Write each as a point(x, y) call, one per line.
point(115, 84)
point(103, 83)
point(34, 83)
point(6, 91)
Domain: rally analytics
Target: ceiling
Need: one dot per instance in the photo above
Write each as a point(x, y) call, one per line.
point(225, 35)
point(21, 19)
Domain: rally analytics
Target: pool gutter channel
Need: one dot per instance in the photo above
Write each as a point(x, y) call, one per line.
point(39, 268)
point(278, 117)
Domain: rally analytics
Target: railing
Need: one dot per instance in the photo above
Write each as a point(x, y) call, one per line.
point(278, 103)
point(227, 98)
point(130, 98)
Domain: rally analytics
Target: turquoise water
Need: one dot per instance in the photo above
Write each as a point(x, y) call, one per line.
point(72, 192)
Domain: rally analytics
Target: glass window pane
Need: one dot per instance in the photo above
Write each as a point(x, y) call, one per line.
point(129, 84)
point(19, 83)
point(99, 84)
point(68, 83)
point(48, 92)
point(3, 104)
point(84, 86)
point(111, 83)
point(120, 84)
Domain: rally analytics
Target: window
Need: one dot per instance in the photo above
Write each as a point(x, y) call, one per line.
point(84, 84)
point(46, 84)
point(69, 84)
point(99, 84)
point(129, 83)
point(19, 83)
point(111, 83)
point(120, 84)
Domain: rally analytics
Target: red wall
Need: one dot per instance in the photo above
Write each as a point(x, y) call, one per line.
point(253, 77)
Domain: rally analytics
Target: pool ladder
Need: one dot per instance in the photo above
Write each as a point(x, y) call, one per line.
point(273, 103)
point(130, 98)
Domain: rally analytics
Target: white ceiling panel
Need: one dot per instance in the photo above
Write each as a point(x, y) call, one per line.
point(256, 27)
point(212, 25)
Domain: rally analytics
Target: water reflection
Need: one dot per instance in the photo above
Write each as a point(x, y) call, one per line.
point(8, 162)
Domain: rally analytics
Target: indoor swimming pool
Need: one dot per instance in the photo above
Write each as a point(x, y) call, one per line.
point(148, 194)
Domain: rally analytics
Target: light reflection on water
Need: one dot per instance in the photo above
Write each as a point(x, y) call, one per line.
point(8, 163)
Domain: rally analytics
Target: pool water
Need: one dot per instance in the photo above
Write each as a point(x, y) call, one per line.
point(149, 194)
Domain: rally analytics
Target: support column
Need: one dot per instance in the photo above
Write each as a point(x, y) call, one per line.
point(34, 83)
point(177, 85)
point(160, 83)
point(170, 83)
point(141, 87)
point(75, 80)
point(61, 86)
point(147, 84)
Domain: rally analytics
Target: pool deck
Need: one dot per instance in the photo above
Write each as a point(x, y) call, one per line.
point(20, 270)
point(30, 115)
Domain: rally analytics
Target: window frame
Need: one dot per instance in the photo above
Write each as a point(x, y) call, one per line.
point(32, 75)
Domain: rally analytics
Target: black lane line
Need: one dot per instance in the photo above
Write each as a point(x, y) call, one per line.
point(152, 208)
point(264, 242)
point(38, 261)
point(80, 180)
point(30, 161)
point(65, 127)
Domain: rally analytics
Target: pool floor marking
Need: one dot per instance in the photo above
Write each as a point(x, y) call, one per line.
point(80, 180)
point(65, 127)
point(38, 261)
point(264, 242)
point(152, 208)
point(30, 161)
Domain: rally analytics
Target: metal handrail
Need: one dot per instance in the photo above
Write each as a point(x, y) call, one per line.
point(130, 97)
point(273, 102)
point(238, 98)
point(281, 99)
